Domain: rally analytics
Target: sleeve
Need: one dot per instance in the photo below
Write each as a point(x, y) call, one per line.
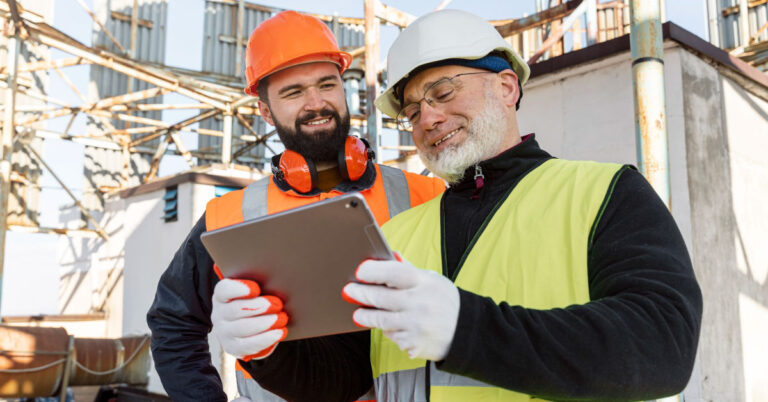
point(635, 340)
point(328, 368)
point(179, 319)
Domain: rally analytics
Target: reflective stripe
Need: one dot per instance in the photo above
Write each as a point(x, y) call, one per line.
point(441, 378)
point(251, 390)
point(396, 189)
point(404, 385)
point(255, 199)
point(408, 385)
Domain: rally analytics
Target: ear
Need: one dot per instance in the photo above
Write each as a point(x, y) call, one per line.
point(266, 114)
point(510, 92)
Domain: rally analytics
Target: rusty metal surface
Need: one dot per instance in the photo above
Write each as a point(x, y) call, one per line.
point(111, 361)
point(32, 360)
point(646, 42)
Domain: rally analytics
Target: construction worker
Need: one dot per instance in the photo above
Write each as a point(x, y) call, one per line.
point(531, 277)
point(294, 66)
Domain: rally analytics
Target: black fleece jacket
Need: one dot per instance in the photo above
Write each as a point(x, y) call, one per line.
point(636, 339)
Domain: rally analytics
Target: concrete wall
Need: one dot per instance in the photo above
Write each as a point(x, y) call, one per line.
point(727, 135)
point(596, 124)
point(718, 135)
point(149, 248)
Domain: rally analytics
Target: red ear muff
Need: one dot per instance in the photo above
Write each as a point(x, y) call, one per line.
point(354, 160)
point(298, 172)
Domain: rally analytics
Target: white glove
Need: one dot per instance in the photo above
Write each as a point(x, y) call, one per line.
point(247, 325)
point(241, 399)
point(417, 309)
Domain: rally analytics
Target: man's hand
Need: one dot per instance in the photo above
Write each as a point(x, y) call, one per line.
point(417, 309)
point(247, 325)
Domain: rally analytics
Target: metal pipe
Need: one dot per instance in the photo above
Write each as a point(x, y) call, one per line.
point(646, 41)
point(559, 31)
point(591, 22)
point(67, 369)
point(743, 23)
point(713, 26)
point(226, 143)
point(239, 42)
point(371, 79)
point(7, 142)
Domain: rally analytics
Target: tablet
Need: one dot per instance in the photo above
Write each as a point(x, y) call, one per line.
point(305, 256)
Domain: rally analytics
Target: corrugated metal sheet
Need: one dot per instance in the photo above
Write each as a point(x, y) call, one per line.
point(24, 200)
point(729, 28)
point(103, 167)
point(220, 56)
point(758, 16)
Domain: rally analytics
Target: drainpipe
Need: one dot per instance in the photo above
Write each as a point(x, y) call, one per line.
point(9, 125)
point(371, 74)
point(646, 40)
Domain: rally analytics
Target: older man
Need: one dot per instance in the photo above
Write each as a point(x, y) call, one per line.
point(536, 276)
point(531, 276)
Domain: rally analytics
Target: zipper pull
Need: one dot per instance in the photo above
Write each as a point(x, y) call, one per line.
point(479, 181)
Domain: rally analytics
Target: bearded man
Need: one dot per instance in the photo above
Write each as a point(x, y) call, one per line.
point(294, 66)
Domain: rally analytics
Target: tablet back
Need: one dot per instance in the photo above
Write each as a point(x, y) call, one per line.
point(305, 256)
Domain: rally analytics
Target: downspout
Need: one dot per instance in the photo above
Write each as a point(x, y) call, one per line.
point(646, 40)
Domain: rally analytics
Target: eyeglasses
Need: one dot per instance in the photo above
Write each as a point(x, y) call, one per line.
point(442, 91)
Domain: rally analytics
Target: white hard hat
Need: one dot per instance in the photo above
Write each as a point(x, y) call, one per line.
point(442, 35)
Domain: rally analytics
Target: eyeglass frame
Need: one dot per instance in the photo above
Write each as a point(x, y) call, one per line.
point(401, 119)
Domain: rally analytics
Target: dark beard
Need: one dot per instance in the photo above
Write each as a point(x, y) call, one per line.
point(321, 146)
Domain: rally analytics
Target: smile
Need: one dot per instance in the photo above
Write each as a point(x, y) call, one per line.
point(318, 122)
point(451, 134)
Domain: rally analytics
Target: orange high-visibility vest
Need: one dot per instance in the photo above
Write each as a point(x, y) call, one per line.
point(392, 192)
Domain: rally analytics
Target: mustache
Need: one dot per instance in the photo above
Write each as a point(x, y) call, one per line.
point(304, 118)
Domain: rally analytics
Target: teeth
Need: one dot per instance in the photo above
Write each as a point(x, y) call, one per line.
point(447, 136)
point(314, 123)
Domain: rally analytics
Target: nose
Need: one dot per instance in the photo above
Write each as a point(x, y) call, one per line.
point(431, 116)
point(313, 99)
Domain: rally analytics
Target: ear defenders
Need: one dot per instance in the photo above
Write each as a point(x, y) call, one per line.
point(300, 173)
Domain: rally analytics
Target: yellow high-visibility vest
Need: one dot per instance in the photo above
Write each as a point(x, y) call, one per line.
point(532, 253)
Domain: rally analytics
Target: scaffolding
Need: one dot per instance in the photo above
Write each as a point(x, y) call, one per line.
point(122, 126)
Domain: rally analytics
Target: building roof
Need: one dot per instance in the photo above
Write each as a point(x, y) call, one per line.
point(671, 31)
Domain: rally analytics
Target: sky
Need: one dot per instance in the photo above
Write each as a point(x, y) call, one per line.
point(31, 274)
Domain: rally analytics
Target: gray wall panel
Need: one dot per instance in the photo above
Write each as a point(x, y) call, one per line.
point(220, 56)
point(104, 167)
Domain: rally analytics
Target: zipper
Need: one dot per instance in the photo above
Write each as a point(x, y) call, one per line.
point(479, 181)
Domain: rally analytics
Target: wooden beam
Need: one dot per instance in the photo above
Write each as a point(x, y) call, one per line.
point(735, 9)
point(127, 18)
point(554, 13)
point(159, 153)
point(103, 28)
point(49, 64)
point(392, 15)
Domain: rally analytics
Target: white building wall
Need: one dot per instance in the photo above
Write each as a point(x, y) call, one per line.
point(587, 113)
point(718, 134)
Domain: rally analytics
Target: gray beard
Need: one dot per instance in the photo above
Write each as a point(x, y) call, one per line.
point(485, 134)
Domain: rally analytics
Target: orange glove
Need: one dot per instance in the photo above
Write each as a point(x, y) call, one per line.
point(247, 325)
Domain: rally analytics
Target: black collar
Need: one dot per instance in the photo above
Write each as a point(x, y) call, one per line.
point(513, 162)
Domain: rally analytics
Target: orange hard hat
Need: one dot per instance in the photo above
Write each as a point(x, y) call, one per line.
point(287, 39)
